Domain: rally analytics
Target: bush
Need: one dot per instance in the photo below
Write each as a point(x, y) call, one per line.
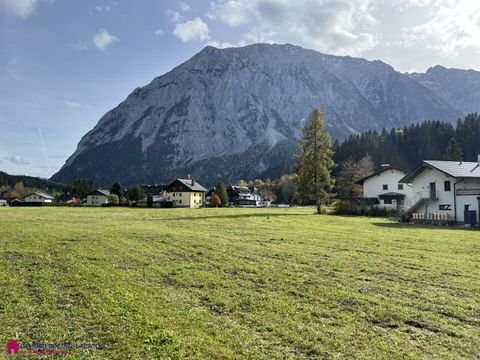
point(349, 207)
point(113, 199)
point(346, 207)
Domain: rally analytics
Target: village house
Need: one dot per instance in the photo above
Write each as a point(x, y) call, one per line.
point(97, 197)
point(38, 197)
point(209, 194)
point(68, 199)
point(385, 189)
point(19, 202)
point(186, 193)
point(244, 196)
point(3, 201)
point(449, 188)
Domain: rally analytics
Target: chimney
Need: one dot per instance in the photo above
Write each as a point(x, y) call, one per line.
point(478, 159)
point(193, 182)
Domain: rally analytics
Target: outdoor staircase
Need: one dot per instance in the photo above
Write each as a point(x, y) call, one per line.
point(417, 205)
point(420, 199)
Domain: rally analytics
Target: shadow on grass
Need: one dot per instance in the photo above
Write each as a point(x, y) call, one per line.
point(235, 216)
point(407, 226)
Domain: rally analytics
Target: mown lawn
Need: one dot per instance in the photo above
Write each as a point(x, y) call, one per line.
point(237, 283)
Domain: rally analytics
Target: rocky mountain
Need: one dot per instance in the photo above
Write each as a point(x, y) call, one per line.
point(460, 88)
point(237, 113)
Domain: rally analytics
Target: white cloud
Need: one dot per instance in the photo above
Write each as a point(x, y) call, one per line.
point(16, 159)
point(453, 27)
point(21, 8)
point(192, 30)
point(232, 12)
point(158, 32)
point(339, 27)
point(221, 45)
point(417, 4)
point(103, 39)
point(102, 8)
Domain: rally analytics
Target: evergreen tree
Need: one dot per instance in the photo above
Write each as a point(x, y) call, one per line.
point(82, 187)
point(453, 152)
point(467, 135)
point(135, 193)
point(315, 162)
point(116, 189)
point(222, 193)
point(149, 201)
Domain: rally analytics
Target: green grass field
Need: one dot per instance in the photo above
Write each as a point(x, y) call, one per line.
point(237, 283)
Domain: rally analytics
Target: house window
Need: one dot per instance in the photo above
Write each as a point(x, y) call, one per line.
point(400, 186)
point(445, 207)
point(385, 187)
point(179, 201)
point(448, 185)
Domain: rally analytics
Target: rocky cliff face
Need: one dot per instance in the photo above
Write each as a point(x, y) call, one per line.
point(460, 88)
point(237, 113)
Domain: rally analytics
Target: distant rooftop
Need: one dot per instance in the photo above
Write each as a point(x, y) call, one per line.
point(455, 169)
point(195, 187)
point(385, 167)
point(41, 194)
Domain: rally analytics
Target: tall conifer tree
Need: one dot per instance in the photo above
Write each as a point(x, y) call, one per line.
point(315, 162)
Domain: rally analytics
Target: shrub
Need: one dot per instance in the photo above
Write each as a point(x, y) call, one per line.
point(113, 199)
point(349, 207)
point(346, 207)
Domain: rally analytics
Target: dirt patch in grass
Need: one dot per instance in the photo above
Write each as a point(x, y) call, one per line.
point(422, 325)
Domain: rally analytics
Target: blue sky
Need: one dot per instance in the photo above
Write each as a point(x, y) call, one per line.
point(64, 63)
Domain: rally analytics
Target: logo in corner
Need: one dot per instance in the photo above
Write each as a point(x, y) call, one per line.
point(12, 347)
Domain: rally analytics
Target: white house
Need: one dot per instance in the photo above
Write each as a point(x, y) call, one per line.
point(384, 186)
point(244, 196)
point(186, 193)
point(38, 197)
point(445, 187)
point(3, 202)
point(97, 197)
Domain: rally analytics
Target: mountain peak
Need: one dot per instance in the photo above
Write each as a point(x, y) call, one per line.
point(234, 113)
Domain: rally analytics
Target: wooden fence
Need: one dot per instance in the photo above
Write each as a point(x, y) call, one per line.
point(431, 218)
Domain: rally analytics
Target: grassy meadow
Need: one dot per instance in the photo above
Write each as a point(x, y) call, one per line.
point(237, 283)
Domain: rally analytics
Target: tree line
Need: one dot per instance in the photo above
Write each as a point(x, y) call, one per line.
point(323, 169)
point(409, 146)
point(317, 179)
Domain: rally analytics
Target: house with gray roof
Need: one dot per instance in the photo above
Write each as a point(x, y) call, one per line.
point(39, 197)
point(186, 193)
point(447, 188)
point(97, 197)
point(384, 190)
